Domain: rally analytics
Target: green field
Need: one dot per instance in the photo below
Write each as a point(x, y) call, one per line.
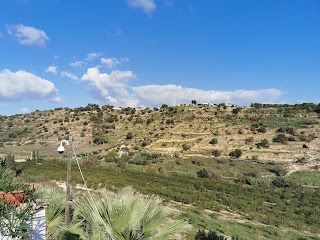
point(268, 211)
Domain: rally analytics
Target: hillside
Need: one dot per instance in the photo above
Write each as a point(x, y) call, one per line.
point(252, 168)
point(277, 132)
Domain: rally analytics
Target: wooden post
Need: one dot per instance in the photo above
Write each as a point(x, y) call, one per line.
point(67, 210)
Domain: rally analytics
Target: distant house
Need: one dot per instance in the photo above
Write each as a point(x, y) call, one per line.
point(203, 104)
point(117, 108)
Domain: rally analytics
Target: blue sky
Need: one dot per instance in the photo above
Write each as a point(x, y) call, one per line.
point(56, 53)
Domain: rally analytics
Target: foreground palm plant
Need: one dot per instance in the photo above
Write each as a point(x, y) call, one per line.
point(55, 198)
point(125, 215)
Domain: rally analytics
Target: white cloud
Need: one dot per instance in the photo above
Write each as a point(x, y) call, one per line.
point(110, 62)
point(124, 59)
point(1, 35)
point(57, 99)
point(24, 110)
point(93, 56)
point(27, 35)
point(52, 69)
point(69, 75)
point(113, 62)
point(155, 95)
point(147, 6)
point(77, 64)
point(112, 87)
point(22, 85)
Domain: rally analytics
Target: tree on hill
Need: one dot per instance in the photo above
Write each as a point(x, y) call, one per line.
point(236, 153)
point(203, 173)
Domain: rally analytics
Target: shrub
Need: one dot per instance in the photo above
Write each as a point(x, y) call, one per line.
point(144, 143)
point(129, 135)
point(216, 153)
point(213, 141)
point(203, 235)
point(281, 138)
point(203, 173)
point(236, 153)
point(264, 143)
point(262, 129)
point(185, 147)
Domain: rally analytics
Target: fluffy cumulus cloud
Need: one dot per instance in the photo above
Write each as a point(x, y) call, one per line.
point(111, 87)
point(155, 95)
point(27, 35)
point(147, 6)
point(52, 69)
point(22, 85)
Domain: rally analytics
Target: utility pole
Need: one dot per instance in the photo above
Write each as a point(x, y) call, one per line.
point(68, 203)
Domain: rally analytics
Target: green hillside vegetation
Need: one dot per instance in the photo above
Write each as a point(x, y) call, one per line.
point(256, 167)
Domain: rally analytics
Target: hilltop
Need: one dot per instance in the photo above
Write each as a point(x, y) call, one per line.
point(287, 133)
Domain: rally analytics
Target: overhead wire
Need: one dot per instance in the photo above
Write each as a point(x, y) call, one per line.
point(90, 196)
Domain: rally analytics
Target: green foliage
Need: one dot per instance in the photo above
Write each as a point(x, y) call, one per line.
point(278, 171)
point(125, 215)
point(14, 219)
point(203, 173)
point(100, 137)
point(55, 198)
point(213, 141)
point(236, 153)
point(264, 143)
point(235, 111)
point(283, 183)
point(204, 235)
point(281, 138)
point(262, 129)
point(129, 135)
point(216, 153)
point(203, 192)
point(121, 164)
